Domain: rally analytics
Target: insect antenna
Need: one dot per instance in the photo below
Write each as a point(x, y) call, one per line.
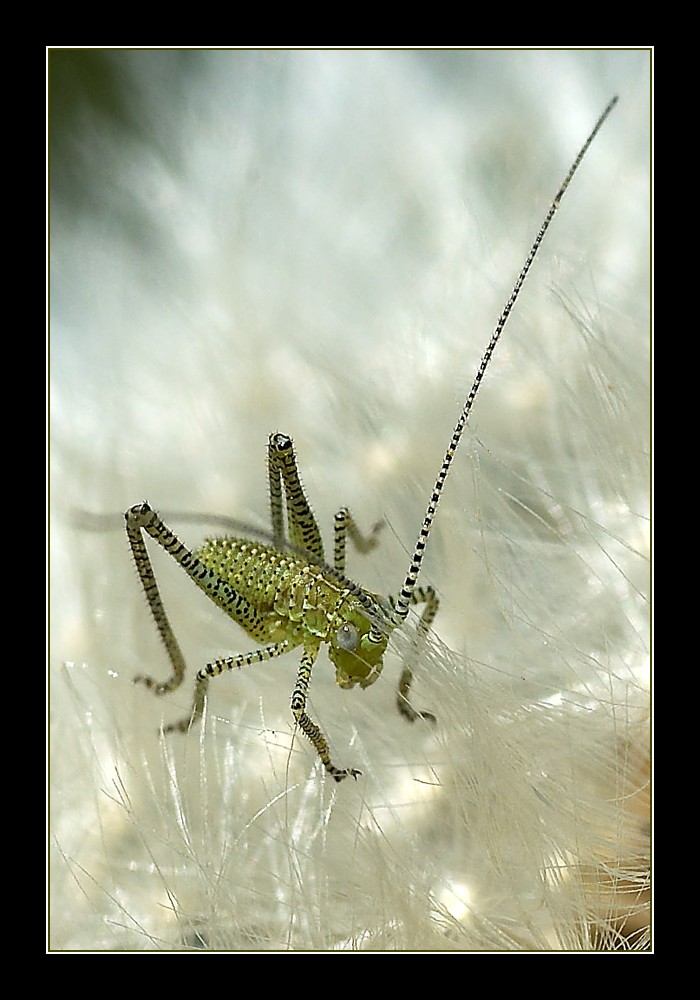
point(403, 601)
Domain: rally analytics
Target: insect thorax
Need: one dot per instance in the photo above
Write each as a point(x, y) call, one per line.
point(275, 595)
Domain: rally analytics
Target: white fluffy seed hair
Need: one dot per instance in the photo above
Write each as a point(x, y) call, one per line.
point(320, 243)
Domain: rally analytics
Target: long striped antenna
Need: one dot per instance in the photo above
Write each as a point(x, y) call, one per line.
point(403, 601)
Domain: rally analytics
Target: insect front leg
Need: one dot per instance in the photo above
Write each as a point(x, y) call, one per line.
point(309, 728)
point(343, 527)
point(428, 597)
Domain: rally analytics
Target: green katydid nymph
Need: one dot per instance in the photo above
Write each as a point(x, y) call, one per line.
point(283, 593)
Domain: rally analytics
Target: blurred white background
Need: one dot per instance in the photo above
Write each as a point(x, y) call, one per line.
point(320, 242)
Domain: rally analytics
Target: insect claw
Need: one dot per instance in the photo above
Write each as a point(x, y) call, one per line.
point(410, 714)
point(346, 773)
point(152, 685)
point(183, 726)
point(354, 773)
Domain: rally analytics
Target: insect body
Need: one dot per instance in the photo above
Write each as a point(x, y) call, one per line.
point(285, 595)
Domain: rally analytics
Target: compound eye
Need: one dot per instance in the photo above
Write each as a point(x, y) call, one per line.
point(347, 638)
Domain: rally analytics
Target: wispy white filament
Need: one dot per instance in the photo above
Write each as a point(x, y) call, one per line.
point(320, 243)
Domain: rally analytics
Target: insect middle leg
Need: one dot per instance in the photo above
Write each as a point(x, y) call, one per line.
point(344, 527)
point(217, 667)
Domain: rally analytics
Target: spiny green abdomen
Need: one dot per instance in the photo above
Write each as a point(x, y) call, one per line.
point(288, 592)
